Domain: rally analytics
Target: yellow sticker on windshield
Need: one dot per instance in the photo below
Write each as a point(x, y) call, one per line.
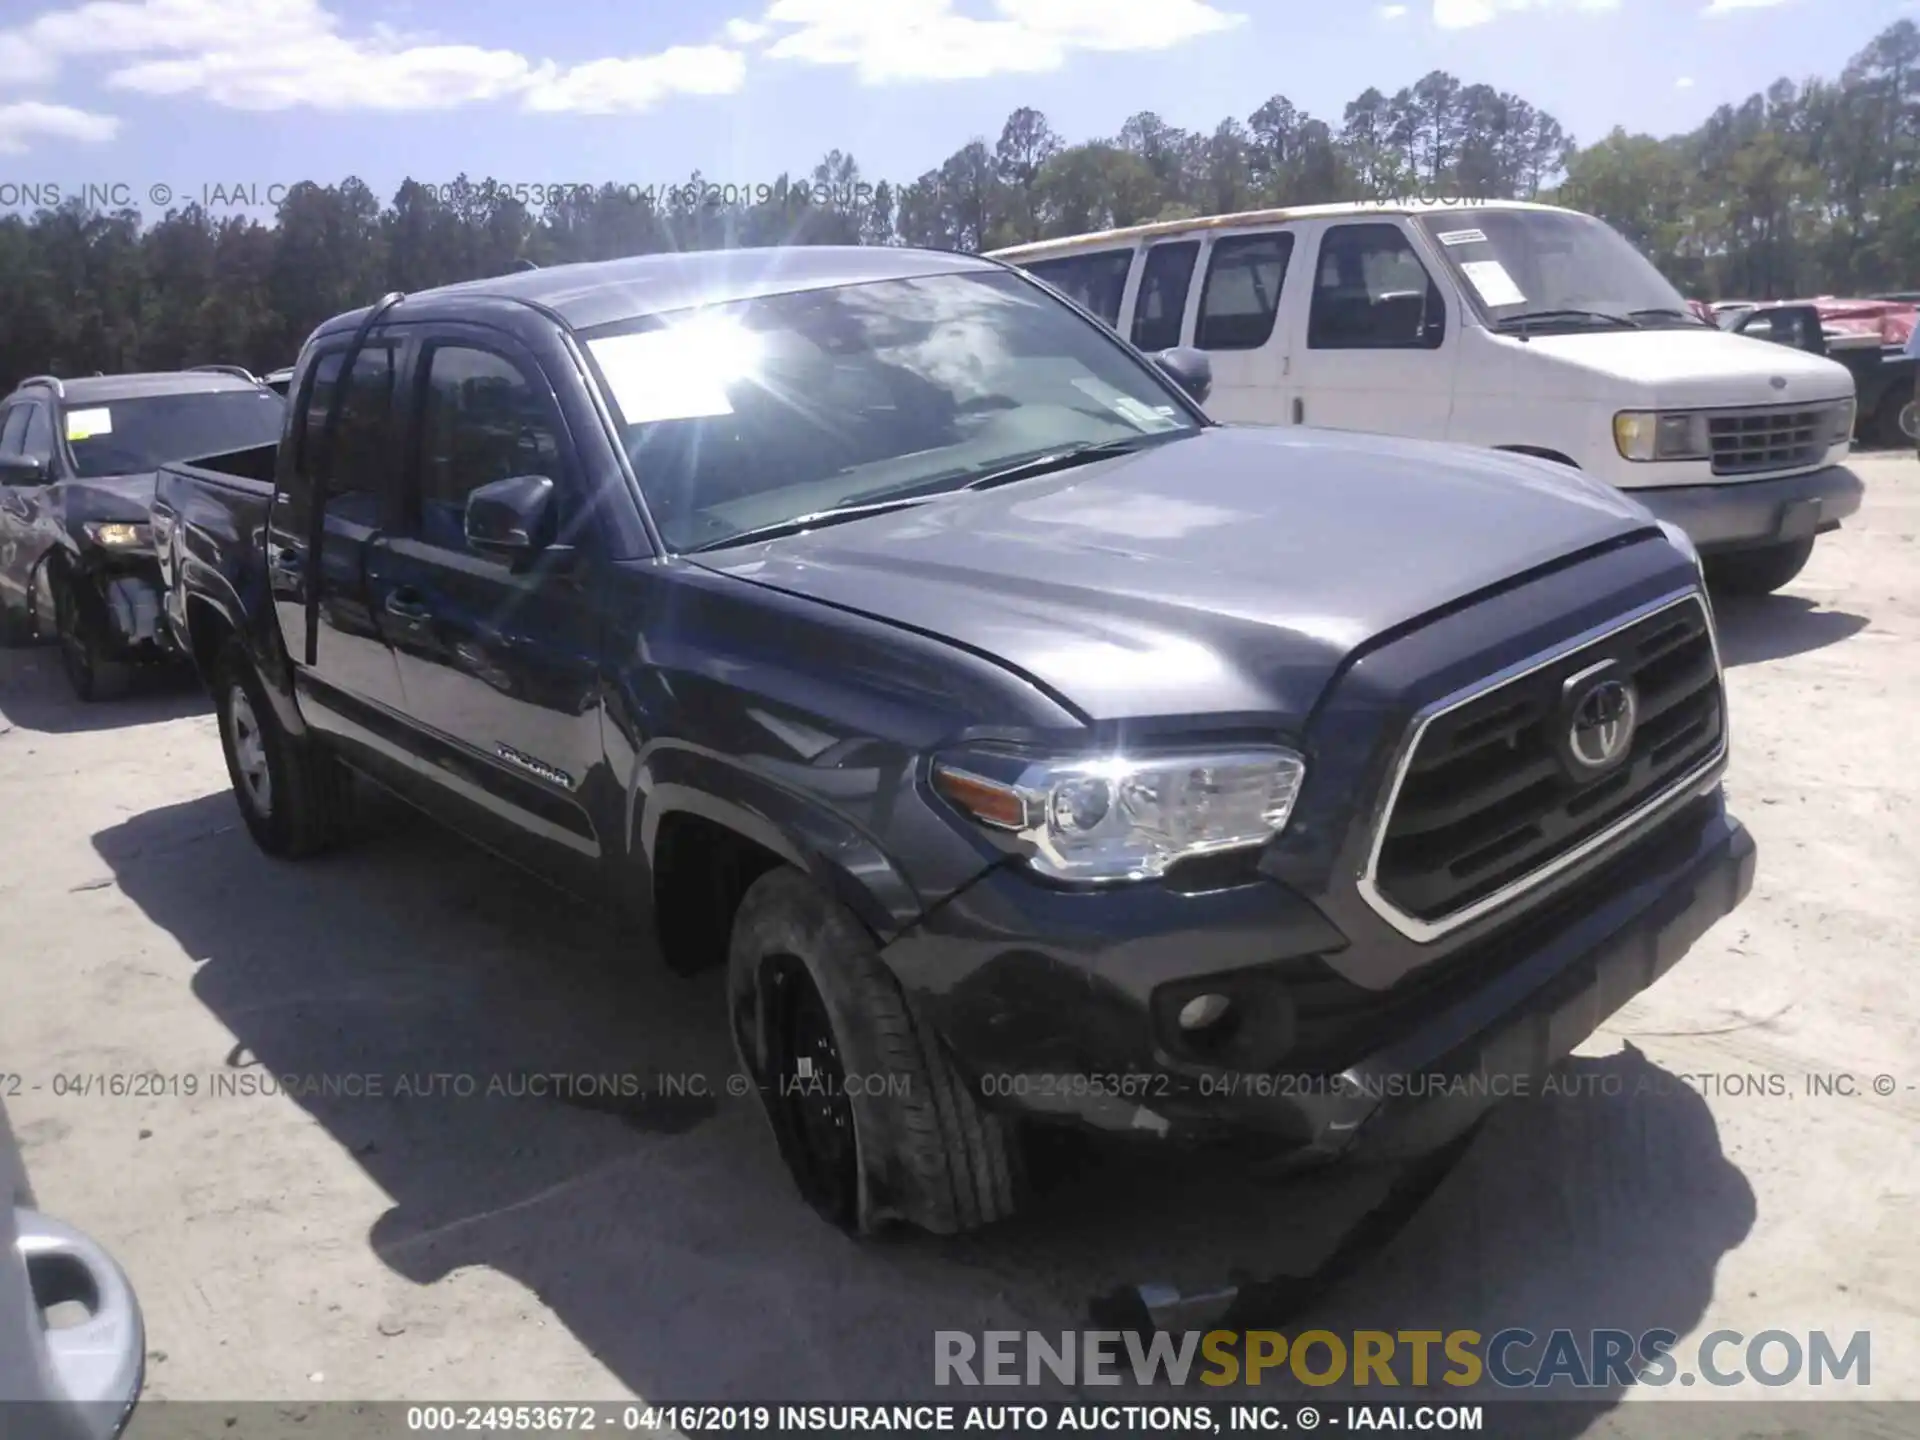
point(85, 424)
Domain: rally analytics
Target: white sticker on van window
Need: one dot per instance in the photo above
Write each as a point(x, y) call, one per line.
point(1463, 237)
point(679, 373)
point(85, 424)
point(1490, 278)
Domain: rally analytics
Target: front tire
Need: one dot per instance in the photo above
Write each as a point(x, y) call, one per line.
point(296, 800)
point(1759, 572)
point(875, 1123)
point(85, 653)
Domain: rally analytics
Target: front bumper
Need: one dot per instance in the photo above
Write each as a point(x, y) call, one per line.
point(1072, 1027)
point(1749, 514)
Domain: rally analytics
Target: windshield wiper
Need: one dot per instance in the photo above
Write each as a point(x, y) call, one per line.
point(1529, 317)
point(1667, 312)
point(833, 515)
point(1056, 460)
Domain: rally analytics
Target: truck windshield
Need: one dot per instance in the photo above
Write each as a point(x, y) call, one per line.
point(750, 415)
point(1531, 268)
point(128, 437)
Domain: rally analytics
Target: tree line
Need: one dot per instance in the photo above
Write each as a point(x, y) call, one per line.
point(1805, 188)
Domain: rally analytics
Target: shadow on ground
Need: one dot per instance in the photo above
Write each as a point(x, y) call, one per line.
point(1774, 627)
point(34, 696)
point(662, 1232)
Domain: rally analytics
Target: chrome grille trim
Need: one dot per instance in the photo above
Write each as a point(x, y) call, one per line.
point(1698, 781)
point(1769, 438)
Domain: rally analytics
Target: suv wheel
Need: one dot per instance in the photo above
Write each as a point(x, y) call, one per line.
point(296, 800)
point(84, 651)
point(872, 1118)
point(1759, 572)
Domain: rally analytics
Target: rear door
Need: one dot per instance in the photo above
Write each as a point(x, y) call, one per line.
point(1380, 348)
point(500, 666)
point(1240, 321)
point(351, 684)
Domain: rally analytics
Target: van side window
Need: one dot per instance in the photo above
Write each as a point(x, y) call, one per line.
point(1242, 293)
point(1372, 293)
point(363, 443)
point(1097, 281)
point(1162, 305)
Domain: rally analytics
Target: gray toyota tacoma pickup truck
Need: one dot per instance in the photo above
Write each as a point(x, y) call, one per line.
point(1029, 749)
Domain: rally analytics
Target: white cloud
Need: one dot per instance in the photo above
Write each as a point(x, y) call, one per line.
point(1727, 7)
point(29, 119)
point(1393, 12)
point(1465, 14)
point(893, 40)
point(745, 32)
point(279, 54)
point(1685, 82)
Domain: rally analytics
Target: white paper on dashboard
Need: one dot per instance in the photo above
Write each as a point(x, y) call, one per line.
point(1491, 279)
point(1463, 237)
point(85, 424)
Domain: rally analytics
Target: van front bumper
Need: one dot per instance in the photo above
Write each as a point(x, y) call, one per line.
point(1753, 514)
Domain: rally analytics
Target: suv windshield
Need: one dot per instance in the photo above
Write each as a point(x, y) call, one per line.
point(749, 415)
point(1534, 267)
point(126, 437)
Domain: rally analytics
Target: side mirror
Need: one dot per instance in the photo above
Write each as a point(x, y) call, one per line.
point(22, 470)
point(511, 518)
point(1188, 368)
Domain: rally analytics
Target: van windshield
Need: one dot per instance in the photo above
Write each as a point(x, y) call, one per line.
point(762, 412)
point(1555, 269)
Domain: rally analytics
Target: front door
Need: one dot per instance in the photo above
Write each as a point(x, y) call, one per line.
point(500, 665)
point(1380, 346)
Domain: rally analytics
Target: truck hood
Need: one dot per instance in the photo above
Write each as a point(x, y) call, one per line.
point(124, 498)
point(1228, 572)
point(1686, 367)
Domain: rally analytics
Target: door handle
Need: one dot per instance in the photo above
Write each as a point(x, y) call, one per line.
point(1299, 412)
point(407, 605)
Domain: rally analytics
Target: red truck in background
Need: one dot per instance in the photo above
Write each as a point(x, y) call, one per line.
point(1868, 336)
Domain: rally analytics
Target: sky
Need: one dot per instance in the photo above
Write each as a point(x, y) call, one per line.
point(227, 101)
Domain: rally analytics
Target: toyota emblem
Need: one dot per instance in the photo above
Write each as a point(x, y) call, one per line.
point(1602, 730)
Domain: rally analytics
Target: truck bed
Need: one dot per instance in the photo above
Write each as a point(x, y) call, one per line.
point(208, 518)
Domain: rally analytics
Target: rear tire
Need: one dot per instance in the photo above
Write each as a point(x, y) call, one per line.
point(1910, 421)
point(1759, 572)
point(295, 798)
point(1889, 424)
point(811, 1004)
point(84, 649)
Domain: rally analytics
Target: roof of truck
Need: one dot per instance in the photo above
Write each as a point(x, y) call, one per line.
point(604, 292)
point(138, 385)
point(1345, 209)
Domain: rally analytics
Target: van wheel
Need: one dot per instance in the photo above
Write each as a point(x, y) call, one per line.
point(1759, 572)
point(84, 649)
point(873, 1120)
point(296, 800)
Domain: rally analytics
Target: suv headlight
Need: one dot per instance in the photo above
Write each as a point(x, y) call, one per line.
point(1116, 818)
point(1662, 435)
point(118, 535)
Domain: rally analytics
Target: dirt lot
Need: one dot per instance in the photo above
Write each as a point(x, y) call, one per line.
point(441, 1246)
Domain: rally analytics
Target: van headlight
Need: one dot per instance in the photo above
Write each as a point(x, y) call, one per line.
point(1662, 435)
point(1116, 818)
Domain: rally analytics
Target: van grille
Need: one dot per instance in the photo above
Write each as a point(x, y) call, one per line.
point(1751, 442)
point(1487, 797)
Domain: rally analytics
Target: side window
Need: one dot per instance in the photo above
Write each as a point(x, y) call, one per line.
point(1098, 281)
point(37, 442)
point(1242, 293)
point(1372, 293)
point(14, 429)
point(1163, 294)
point(481, 421)
point(363, 445)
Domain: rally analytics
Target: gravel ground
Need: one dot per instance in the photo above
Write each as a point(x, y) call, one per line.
point(438, 1245)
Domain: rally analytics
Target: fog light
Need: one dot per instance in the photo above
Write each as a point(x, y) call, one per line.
point(1203, 1012)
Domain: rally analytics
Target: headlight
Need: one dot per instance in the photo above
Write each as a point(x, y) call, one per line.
point(1652, 435)
point(1119, 818)
point(1843, 421)
point(115, 535)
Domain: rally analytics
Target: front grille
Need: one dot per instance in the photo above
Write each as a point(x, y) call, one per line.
point(1486, 796)
point(1777, 437)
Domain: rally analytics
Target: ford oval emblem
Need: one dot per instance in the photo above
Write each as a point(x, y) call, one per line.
point(1779, 382)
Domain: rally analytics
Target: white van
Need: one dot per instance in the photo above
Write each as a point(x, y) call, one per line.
point(1518, 326)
